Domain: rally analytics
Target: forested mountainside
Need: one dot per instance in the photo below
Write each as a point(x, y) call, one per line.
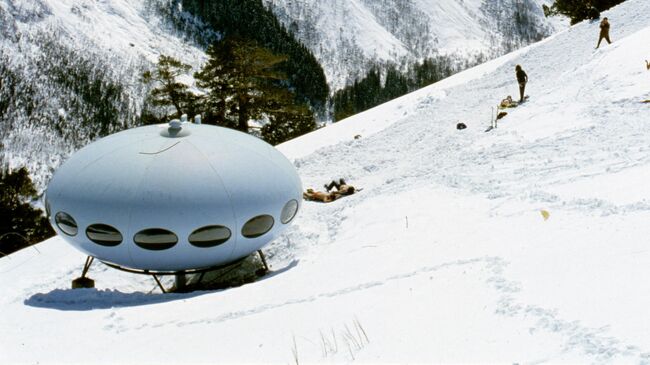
point(350, 37)
point(70, 73)
point(71, 70)
point(251, 20)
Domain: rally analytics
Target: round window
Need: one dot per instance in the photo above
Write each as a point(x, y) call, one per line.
point(257, 226)
point(104, 235)
point(66, 223)
point(289, 211)
point(155, 239)
point(209, 236)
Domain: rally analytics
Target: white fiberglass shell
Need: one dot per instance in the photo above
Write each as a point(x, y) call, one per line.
point(182, 181)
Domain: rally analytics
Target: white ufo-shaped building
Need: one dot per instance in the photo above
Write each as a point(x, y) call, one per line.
point(174, 197)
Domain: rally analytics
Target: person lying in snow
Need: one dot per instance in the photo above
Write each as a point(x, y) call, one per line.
point(342, 189)
point(340, 186)
point(317, 196)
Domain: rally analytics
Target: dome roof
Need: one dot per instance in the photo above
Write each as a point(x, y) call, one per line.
point(178, 180)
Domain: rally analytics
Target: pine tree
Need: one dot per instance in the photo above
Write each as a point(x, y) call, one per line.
point(20, 223)
point(396, 84)
point(579, 10)
point(169, 91)
point(288, 120)
point(368, 92)
point(245, 82)
point(250, 19)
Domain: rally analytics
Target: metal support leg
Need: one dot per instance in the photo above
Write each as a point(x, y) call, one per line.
point(83, 281)
point(263, 271)
point(159, 284)
point(181, 282)
point(201, 277)
point(89, 261)
point(263, 258)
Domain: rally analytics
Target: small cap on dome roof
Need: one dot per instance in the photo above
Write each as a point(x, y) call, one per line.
point(175, 124)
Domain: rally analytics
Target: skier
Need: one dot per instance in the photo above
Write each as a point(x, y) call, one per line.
point(522, 79)
point(604, 32)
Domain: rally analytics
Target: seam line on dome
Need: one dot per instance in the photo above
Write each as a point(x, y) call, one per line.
point(161, 151)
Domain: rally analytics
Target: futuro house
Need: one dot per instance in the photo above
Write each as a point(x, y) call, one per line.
point(173, 197)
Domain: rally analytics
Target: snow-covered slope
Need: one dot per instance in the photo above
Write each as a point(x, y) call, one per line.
point(443, 257)
point(71, 69)
point(349, 36)
point(53, 51)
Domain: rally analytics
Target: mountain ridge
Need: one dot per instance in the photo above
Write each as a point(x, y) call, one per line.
point(350, 37)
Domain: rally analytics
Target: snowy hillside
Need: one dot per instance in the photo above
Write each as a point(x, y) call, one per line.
point(68, 63)
point(348, 36)
point(443, 257)
point(71, 69)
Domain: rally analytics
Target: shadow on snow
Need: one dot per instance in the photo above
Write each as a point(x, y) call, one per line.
point(90, 299)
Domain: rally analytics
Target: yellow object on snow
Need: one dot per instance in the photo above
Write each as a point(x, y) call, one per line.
point(545, 214)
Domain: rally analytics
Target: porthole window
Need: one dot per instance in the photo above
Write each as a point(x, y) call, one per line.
point(209, 236)
point(155, 239)
point(257, 226)
point(66, 223)
point(104, 235)
point(289, 211)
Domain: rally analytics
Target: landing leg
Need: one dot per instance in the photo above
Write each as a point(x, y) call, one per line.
point(265, 269)
point(83, 281)
point(159, 284)
point(181, 283)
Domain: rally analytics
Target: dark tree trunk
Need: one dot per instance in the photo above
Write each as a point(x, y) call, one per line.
point(242, 123)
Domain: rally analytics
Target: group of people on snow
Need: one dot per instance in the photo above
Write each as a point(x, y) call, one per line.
point(522, 77)
point(342, 189)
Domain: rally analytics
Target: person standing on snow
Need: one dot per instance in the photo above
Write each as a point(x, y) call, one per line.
point(522, 79)
point(604, 32)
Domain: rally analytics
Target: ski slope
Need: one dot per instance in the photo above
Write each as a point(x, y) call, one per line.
point(443, 257)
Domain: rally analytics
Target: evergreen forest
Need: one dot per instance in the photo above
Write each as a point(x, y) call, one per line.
point(371, 91)
point(250, 19)
point(21, 224)
point(579, 10)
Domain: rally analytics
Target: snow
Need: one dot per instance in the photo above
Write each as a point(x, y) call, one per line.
point(444, 256)
point(123, 38)
point(126, 27)
point(348, 37)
